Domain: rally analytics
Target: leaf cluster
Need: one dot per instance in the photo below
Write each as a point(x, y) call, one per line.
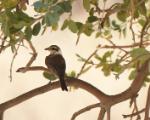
point(17, 26)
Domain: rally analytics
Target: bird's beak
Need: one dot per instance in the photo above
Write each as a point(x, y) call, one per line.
point(46, 49)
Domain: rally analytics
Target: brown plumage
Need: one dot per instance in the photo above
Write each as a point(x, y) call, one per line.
point(56, 62)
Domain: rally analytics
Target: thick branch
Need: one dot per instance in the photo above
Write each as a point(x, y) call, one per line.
point(49, 87)
point(77, 82)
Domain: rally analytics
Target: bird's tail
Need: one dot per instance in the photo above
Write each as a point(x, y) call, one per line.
point(63, 84)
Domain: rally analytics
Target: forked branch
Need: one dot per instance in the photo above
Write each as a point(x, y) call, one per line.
point(83, 110)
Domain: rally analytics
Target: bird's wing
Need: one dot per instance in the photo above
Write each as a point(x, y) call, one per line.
point(57, 63)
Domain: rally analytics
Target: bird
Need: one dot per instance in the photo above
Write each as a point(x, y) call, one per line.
point(56, 62)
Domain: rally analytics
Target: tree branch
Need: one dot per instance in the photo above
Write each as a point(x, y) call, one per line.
point(101, 114)
point(86, 61)
point(34, 54)
point(108, 113)
point(13, 59)
point(87, 108)
point(126, 46)
point(134, 114)
point(147, 108)
point(134, 88)
point(143, 32)
point(48, 87)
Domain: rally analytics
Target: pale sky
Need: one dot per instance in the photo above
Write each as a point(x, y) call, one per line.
point(59, 105)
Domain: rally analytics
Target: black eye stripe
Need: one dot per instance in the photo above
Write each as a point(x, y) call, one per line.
point(54, 48)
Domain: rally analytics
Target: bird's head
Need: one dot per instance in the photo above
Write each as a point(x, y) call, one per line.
point(54, 49)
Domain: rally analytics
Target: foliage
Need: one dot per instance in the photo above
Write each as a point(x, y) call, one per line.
point(102, 21)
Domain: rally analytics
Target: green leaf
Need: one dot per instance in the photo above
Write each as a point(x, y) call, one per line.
point(86, 5)
point(132, 74)
point(65, 24)
point(122, 15)
point(21, 16)
point(49, 76)
point(107, 22)
point(19, 24)
point(79, 26)
point(12, 43)
point(5, 29)
point(65, 5)
point(92, 19)
point(136, 13)
point(40, 6)
point(115, 25)
point(91, 13)
point(72, 26)
point(124, 31)
point(80, 58)
point(36, 29)
point(54, 27)
point(98, 34)
point(142, 8)
point(28, 33)
point(140, 54)
point(107, 54)
point(51, 18)
point(147, 79)
point(126, 2)
point(106, 69)
point(88, 29)
point(9, 4)
point(71, 74)
point(58, 9)
point(141, 22)
point(115, 67)
point(13, 30)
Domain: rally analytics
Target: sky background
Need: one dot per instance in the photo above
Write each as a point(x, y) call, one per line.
point(59, 105)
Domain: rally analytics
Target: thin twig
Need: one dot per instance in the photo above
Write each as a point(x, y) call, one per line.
point(147, 108)
point(78, 38)
point(135, 109)
point(86, 61)
point(113, 44)
point(83, 110)
point(143, 32)
point(3, 42)
point(12, 62)
point(34, 68)
point(34, 54)
point(134, 114)
point(125, 46)
point(132, 31)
